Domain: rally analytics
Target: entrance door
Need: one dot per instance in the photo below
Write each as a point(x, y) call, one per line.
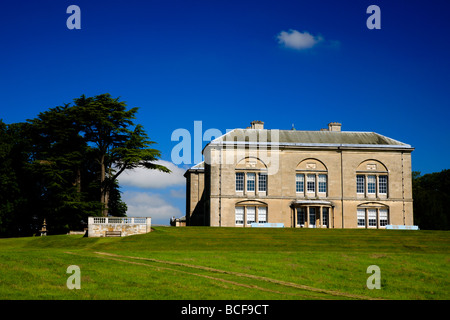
point(312, 217)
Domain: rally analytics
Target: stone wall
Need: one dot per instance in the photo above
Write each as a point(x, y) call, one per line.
point(341, 166)
point(117, 226)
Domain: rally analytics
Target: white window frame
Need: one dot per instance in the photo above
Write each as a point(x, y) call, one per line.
point(371, 218)
point(311, 183)
point(262, 182)
point(371, 184)
point(251, 181)
point(300, 183)
point(262, 214)
point(239, 216)
point(239, 183)
point(383, 217)
point(361, 218)
point(322, 185)
point(325, 216)
point(382, 184)
point(360, 185)
point(251, 212)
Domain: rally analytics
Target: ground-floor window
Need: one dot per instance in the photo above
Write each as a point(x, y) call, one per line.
point(249, 214)
point(239, 213)
point(313, 214)
point(383, 217)
point(372, 217)
point(301, 216)
point(262, 214)
point(361, 217)
point(325, 216)
point(375, 217)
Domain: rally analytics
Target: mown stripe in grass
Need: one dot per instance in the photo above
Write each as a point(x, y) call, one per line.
point(238, 274)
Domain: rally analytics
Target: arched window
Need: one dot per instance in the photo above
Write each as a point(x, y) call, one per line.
point(311, 179)
point(372, 180)
point(251, 177)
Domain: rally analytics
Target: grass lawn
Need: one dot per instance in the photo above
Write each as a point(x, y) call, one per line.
point(230, 263)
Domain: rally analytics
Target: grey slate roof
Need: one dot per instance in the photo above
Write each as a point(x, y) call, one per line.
point(308, 138)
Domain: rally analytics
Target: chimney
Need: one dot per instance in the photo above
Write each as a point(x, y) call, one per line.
point(334, 126)
point(257, 124)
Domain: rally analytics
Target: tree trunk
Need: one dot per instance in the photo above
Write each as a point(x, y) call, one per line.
point(77, 182)
point(103, 187)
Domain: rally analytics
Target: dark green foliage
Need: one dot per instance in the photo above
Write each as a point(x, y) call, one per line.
point(431, 194)
point(106, 126)
point(63, 165)
point(17, 195)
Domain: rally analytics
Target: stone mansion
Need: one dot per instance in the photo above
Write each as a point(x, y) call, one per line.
point(318, 179)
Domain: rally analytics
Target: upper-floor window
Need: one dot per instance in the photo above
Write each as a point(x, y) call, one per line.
point(372, 179)
point(360, 184)
point(262, 182)
point(382, 184)
point(239, 181)
point(311, 178)
point(251, 181)
point(315, 183)
point(311, 183)
point(251, 177)
point(371, 184)
point(300, 183)
point(322, 183)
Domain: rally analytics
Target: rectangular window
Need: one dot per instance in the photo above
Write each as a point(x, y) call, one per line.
point(312, 216)
point(262, 182)
point(311, 183)
point(262, 214)
point(322, 183)
point(300, 183)
point(372, 217)
point(360, 182)
point(239, 215)
point(250, 215)
point(251, 181)
point(325, 217)
point(361, 217)
point(383, 217)
point(371, 184)
point(382, 184)
point(239, 181)
point(300, 216)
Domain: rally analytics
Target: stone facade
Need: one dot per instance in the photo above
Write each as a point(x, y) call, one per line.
point(328, 179)
point(118, 226)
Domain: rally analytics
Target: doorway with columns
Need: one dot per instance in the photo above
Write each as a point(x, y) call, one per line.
point(312, 214)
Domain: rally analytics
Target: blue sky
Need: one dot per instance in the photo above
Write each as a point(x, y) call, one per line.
point(226, 63)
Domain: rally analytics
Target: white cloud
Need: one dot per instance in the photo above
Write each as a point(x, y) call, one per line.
point(145, 178)
point(297, 40)
point(143, 204)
